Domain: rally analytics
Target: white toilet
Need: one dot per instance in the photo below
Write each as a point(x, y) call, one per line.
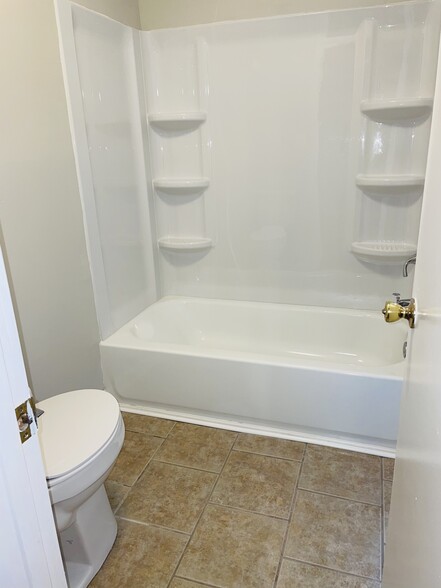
point(81, 434)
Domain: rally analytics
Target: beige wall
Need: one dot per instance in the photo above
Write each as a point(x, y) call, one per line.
point(156, 14)
point(126, 11)
point(40, 210)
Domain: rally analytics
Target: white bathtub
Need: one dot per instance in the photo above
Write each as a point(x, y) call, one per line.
point(325, 375)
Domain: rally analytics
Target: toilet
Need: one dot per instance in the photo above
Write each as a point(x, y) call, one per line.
point(81, 434)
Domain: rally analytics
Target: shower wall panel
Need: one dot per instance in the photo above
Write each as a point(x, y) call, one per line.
point(105, 87)
point(261, 137)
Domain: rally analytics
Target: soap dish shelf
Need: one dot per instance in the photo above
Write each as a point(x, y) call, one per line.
point(181, 185)
point(383, 252)
point(175, 121)
point(185, 244)
point(397, 111)
point(390, 184)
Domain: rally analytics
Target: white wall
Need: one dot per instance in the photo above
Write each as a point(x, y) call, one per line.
point(40, 208)
point(158, 14)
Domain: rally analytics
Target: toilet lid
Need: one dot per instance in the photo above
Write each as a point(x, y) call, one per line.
point(75, 425)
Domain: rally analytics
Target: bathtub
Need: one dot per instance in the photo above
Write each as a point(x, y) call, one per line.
point(324, 375)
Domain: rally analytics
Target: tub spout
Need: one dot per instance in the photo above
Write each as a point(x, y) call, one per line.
point(406, 266)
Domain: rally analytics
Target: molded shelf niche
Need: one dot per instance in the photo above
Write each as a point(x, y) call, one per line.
point(397, 111)
point(386, 185)
point(176, 121)
point(185, 244)
point(181, 185)
point(389, 181)
point(383, 252)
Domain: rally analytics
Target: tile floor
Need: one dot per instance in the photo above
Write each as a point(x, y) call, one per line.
point(198, 507)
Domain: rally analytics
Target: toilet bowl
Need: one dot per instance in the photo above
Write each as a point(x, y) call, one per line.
point(81, 434)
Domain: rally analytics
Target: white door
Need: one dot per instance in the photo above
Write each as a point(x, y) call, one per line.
point(413, 550)
point(29, 552)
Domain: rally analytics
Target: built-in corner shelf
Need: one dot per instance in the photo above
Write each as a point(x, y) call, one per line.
point(175, 121)
point(185, 244)
point(181, 185)
point(393, 181)
point(390, 184)
point(383, 252)
point(397, 111)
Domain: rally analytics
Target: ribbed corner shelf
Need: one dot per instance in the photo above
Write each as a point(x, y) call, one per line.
point(397, 111)
point(185, 244)
point(383, 252)
point(181, 185)
point(174, 121)
point(390, 183)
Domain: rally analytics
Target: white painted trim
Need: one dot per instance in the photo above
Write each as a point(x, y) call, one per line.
point(261, 429)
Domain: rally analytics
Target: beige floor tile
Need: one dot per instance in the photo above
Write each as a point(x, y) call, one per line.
point(387, 491)
point(257, 482)
point(356, 476)
point(140, 423)
point(181, 583)
point(137, 451)
point(234, 549)
point(195, 446)
point(116, 493)
point(270, 446)
point(294, 574)
point(142, 556)
point(169, 495)
point(388, 468)
point(336, 533)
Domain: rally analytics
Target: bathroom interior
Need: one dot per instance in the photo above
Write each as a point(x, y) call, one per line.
point(237, 194)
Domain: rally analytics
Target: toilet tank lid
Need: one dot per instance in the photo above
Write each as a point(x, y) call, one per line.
point(75, 425)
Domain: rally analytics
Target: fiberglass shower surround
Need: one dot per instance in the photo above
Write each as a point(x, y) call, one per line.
point(276, 161)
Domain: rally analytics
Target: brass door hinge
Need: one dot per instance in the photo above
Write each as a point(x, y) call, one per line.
point(25, 414)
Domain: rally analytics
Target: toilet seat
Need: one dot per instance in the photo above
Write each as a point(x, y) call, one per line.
point(75, 427)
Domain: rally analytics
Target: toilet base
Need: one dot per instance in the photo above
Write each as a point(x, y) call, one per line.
point(86, 543)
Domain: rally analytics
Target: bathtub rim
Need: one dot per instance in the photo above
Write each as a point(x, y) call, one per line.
point(125, 338)
point(395, 371)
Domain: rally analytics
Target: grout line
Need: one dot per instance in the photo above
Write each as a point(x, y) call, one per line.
point(322, 493)
point(139, 476)
point(121, 501)
point(144, 524)
point(382, 536)
point(174, 425)
point(256, 512)
point(207, 502)
point(145, 433)
point(316, 565)
point(291, 512)
point(180, 465)
point(267, 455)
point(382, 469)
point(198, 582)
